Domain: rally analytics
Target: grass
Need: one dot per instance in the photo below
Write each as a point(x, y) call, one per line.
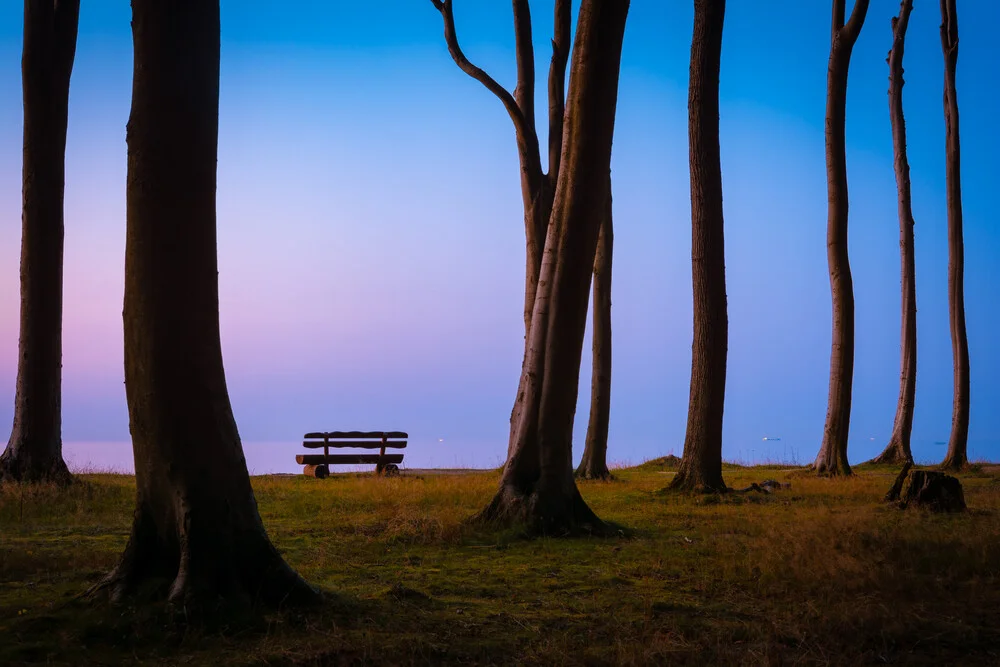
point(821, 573)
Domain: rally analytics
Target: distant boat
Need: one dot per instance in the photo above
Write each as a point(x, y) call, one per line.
point(766, 439)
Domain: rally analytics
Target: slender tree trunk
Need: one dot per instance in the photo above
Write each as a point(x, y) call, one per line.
point(34, 451)
point(958, 443)
point(537, 187)
point(537, 483)
point(832, 456)
point(196, 530)
point(594, 464)
point(701, 464)
point(898, 449)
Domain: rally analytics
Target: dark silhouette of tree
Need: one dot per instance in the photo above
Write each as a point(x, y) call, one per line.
point(701, 463)
point(34, 451)
point(537, 484)
point(832, 456)
point(898, 449)
point(538, 186)
point(196, 530)
point(957, 456)
point(594, 463)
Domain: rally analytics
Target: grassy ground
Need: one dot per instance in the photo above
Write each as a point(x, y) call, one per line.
point(821, 573)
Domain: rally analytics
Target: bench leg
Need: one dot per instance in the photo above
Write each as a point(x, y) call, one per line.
point(380, 466)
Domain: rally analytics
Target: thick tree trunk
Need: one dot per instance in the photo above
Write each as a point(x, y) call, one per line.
point(537, 485)
point(594, 464)
point(958, 443)
point(196, 531)
point(832, 456)
point(34, 451)
point(701, 464)
point(898, 449)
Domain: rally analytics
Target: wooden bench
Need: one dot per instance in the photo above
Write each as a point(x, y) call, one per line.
point(318, 465)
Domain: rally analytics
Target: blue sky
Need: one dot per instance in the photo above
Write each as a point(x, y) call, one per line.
point(371, 243)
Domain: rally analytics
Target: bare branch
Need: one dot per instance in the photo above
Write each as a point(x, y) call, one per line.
point(949, 25)
point(524, 93)
point(838, 16)
point(557, 84)
point(451, 39)
point(853, 27)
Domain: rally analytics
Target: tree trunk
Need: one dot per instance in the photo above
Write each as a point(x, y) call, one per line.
point(196, 531)
point(832, 456)
point(34, 451)
point(537, 484)
point(898, 449)
point(594, 464)
point(701, 463)
point(958, 443)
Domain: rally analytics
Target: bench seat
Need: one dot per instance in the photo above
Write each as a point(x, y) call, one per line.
point(346, 459)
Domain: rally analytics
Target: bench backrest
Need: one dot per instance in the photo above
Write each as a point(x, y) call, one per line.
point(363, 439)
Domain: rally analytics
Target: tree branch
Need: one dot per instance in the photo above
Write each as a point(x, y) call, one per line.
point(557, 84)
point(853, 27)
point(451, 39)
point(524, 93)
point(949, 24)
point(838, 16)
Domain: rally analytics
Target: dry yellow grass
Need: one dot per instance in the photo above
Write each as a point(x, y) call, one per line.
point(821, 573)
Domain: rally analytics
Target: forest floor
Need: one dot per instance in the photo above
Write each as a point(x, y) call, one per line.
point(822, 573)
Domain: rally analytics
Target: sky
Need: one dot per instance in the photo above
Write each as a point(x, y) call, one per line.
point(371, 243)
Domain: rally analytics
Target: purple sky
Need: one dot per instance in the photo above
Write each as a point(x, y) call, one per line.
point(371, 245)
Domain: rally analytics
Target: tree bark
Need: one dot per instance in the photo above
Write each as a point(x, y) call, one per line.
point(898, 449)
point(594, 464)
point(196, 531)
point(957, 456)
point(34, 451)
point(701, 463)
point(832, 456)
point(537, 485)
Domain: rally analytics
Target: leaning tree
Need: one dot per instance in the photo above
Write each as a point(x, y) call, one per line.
point(701, 464)
point(538, 191)
point(958, 443)
point(832, 456)
point(537, 485)
point(34, 451)
point(196, 533)
point(898, 449)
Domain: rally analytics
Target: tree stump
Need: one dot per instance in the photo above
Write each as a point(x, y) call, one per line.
point(935, 491)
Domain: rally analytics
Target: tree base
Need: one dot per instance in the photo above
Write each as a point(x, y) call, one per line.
point(543, 513)
point(955, 463)
point(597, 472)
point(893, 454)
point(205, 575)
point(832, 467)
point(16, 466)
point(687, 481)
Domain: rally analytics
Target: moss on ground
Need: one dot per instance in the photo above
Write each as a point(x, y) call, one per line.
point(821, 573)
